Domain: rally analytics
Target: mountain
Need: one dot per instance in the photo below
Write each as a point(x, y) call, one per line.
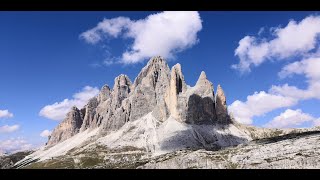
point(140, 121)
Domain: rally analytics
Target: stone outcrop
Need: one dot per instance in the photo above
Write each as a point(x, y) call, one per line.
point(89, 114)
point(156, 89)
point(104, 94)
point(201, 107)
point(176, 88)
point(221, 105)
point(68, 127)
point(149, 88)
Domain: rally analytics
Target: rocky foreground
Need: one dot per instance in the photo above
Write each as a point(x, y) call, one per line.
point(294, 150)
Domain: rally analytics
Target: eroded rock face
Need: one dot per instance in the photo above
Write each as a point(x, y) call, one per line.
point(150, 86)
point(176, 88)
point(67, 128)
point(221, 106)
point(104, 94)
point(114, 112)
point(201, 106)
point(89, 119)
point(156, 89)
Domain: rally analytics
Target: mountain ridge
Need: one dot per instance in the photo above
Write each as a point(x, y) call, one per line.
point(156, 114)
point(155, 90)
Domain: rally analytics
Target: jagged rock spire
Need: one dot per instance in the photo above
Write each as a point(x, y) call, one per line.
point(104, 94)
point(221, 105)
point(201, 106)
point(149, 88)
point(177, 86)
point(157, 90)
point(121, 89)
point(68, 127)
point(90, 111)
point(204, 86)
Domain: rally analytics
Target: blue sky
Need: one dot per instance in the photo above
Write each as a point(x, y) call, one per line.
point(44, 60)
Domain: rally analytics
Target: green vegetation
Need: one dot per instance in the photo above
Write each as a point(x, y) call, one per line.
point(64, 163)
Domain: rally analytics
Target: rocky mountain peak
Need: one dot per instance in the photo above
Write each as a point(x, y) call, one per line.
point(68, 127)
point(104, 94)
point(202, 79)
point(121, 80)
point(221, 105)
point(204, 85)
point(177, 81)
point(156, 90)
point(203, 75)
point(73, 109)
point(155, 71)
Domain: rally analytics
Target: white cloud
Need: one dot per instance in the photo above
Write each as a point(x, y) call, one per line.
point(316, 122)
point(5, 114)
point(290, 119)
point(164, 34)
point(261, 31)
point(9, 129)
point(45, 133)
point(258, 104)
point(58, 110)
point(307, 67)
point(296, 38)
point(14, 145)
point(108, 27)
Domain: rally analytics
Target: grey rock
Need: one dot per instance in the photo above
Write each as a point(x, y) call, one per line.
point(201, 105)
point(155, 90)
point(115, 114)
point(149, 89)
point(177, 87)
point(104, 94)
point(221, 106)
point(121, 90)
point(89, 120)
point(297, 151)
point(67, 128)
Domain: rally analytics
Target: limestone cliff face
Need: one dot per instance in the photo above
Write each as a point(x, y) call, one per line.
point(221, 106)
point(176, 88)
point(149, 88)
point(156, 89)
point(201, 103)
point(68, 127)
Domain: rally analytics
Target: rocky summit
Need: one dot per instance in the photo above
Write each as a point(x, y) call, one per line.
point(156, 90)
point(156, 121)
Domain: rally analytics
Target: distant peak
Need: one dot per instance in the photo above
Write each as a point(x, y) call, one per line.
point(122, 79)
point(106, 86)
point(203, 81)
point(203, 75)
point(156, 60)
point(74, 108)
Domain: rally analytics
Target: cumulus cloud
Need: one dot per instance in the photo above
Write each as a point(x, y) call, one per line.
point(5, 114)
point(290, 119)
point(316, 122)
point(307, 67)
point(164, 34)
point(14, 145)
point(295, 39)
point(45, 133)
point(9, 129)
point(258, 104)
point(58, 110)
